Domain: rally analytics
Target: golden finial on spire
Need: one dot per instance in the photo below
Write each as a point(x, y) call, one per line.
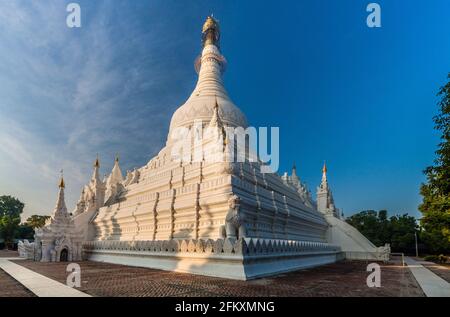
point(211, 31)
point(97, 162)
point(324, 169)
point(61, 182)
point(210, 23)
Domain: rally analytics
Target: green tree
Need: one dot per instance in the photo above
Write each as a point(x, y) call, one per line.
point(10, 206)
point(10, 210)
point(36, 221)
point(435, 205)
point(401, 233)
point(383, 227)
point(398, 231)
point(368, 224)
point(25, 232)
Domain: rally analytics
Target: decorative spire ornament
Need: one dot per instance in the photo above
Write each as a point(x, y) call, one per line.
point(211, 32)
point(324, 174)
point(215, 120)
point(61, 182)
point(294, 170)
point(60, 210)
point(96, 176)
point(97, 162)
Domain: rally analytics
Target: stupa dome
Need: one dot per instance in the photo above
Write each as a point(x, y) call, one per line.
point(202, 108)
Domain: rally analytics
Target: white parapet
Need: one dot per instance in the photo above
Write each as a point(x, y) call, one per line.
point(242, 259)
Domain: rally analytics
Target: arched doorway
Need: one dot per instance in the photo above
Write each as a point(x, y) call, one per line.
point(64, 256)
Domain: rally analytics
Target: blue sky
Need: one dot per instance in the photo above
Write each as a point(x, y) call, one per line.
point(362, 99)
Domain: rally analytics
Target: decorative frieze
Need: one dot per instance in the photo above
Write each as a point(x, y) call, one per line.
point(243, 246)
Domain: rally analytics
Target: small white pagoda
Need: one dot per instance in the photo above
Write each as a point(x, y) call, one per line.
point(59, 240)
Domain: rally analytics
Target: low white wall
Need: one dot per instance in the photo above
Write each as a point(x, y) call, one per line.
point(241, 259)
point(236, 267)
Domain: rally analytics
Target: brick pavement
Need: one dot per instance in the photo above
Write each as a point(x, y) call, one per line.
point(9, 287)
point(8, 254)
point(341, 279)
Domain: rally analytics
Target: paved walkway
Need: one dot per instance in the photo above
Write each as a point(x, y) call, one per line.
point(431, 284)
point(342, 279)
point(39, 284)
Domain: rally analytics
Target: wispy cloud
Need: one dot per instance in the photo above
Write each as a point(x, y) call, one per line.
point(67, 94)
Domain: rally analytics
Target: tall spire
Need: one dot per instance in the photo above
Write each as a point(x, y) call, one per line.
point(95, 188)
point(116, 173)
point(294, 170)
point(325, 201)
point(96, 173)
point(294, 175)
point(61, 182)
point(60, 208)
point(324, 173)
point(97, 162)
point(210, 64)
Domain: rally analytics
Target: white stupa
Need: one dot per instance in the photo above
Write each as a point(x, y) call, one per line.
point(212, 217)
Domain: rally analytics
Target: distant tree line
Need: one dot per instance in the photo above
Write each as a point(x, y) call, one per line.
point(398, 231)
point(11, 229)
